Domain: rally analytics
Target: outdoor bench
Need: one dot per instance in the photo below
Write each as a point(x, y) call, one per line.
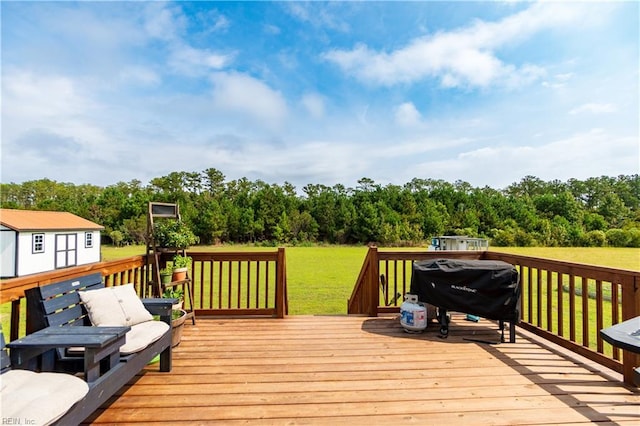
point(42, 398)
point(107, 333)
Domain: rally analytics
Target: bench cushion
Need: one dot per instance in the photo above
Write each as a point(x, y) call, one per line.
point(114, 306)
point(40, 398)
point(142, 335)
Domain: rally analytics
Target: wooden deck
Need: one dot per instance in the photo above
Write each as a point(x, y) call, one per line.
point(330, 370)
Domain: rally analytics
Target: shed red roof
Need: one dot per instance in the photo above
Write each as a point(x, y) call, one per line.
point(36, 220)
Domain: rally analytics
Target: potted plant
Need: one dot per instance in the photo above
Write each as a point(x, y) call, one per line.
point(178, 316)
point(166, 274)
point(180, 267)
point(174, 293)
point(173, 234)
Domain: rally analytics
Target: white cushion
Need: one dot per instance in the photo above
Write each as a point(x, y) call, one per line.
point(115, 306)
point(142, 335)
point(139, 337)
point(39, 398)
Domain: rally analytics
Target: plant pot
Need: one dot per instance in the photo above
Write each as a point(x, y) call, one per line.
point(179, 274)
point(177, 325)
point(165, 278)
point(177, 306)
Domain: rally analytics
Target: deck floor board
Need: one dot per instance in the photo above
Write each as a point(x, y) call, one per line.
point(327, 370)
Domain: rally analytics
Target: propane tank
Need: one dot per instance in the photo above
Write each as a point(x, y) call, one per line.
point(413, 315)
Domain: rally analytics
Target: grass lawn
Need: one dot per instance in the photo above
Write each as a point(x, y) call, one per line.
point(614, 257)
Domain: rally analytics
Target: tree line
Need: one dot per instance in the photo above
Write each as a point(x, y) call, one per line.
point(599, 211)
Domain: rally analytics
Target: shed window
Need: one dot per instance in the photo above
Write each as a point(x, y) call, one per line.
point(88, 239)
point(38, 243)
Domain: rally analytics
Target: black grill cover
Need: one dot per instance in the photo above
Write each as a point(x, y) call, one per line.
point(486, 288)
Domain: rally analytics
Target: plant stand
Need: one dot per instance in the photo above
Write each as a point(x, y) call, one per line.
point(157, 254)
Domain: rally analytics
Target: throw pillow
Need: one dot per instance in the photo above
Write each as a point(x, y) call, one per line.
point(114, 306)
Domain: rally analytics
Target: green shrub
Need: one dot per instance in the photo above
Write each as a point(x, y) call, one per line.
point(595, 239)
point(503, 238)
point(618, 238)
point(635, 237)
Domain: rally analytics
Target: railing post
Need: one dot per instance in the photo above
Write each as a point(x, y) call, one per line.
point(630, 309)
point(373, 293)
point(15, 319)
point(281, 286)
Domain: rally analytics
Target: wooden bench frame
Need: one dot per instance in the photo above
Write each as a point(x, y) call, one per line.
point(100, 389)
point(58, 304)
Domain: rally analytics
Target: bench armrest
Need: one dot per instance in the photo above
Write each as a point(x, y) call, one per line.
point(160, 306)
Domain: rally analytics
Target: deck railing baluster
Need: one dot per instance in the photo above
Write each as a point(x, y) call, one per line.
point(615, 314)
point(560, 298)
point(585, 312)
point(599, 316)
point(549, 307)
point(539, 297)
point(572, 308)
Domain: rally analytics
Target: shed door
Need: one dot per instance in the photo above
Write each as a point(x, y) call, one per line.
point(8, 250)
point(66, 250)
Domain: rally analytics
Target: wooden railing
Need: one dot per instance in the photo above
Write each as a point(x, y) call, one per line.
point(240, 283)
point(121, 271)
point(566, 303)
point(245, 283)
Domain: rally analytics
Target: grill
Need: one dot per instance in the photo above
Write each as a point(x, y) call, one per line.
point(486, 288)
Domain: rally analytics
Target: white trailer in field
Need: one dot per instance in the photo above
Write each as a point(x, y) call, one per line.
point(34, 241)
point(458, 242)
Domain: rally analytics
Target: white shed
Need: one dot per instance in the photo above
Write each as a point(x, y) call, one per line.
point(33, 241)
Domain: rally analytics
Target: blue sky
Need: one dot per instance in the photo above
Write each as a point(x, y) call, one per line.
point(320, 92)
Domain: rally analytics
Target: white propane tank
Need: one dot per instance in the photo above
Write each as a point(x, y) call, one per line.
point(413, 315)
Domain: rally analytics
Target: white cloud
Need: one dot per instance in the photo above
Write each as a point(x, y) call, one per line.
point(190, 61)
point(221, 23)
point(139, 75)
point(498, 166)
point(316, 16)
point(163, 22)
point(54, 126)
point(594, 108)
point(463, 57)
point(558, 81)
point(248, 96)
point(169, 24)
point(272, 29)
point(407, 115)
point(314, 104)
point(40, 99)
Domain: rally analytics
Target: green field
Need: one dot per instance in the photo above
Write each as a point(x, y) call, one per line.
point(614, 257)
